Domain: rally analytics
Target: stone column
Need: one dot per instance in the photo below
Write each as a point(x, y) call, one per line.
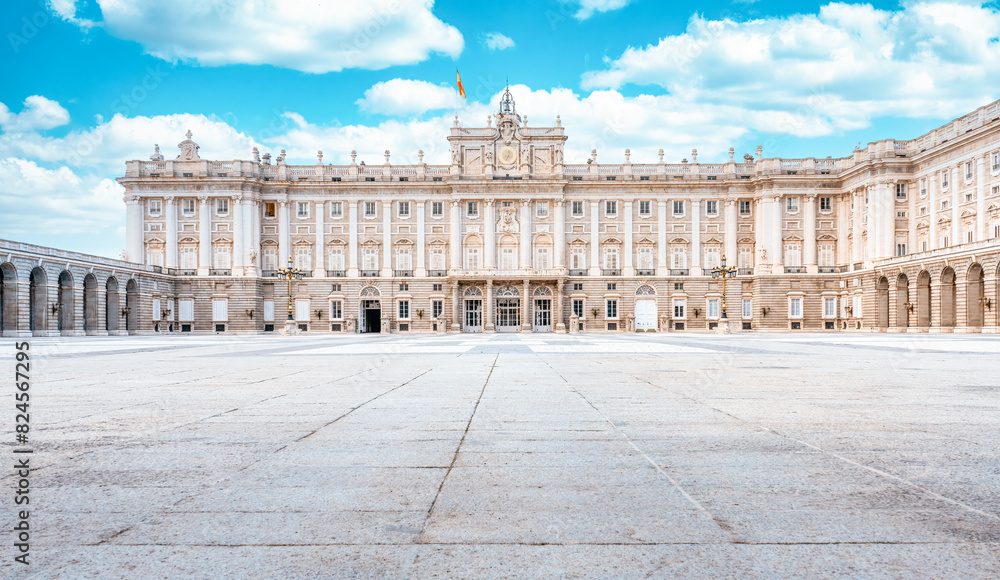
point(888, 221)
point(133, 229)
point(204, 237)
point(809, 244)
point(911, 219)
point(284, 233)
point(525, 234)
point(856, 253)
point(695, 237)
point(560, 325)
point(489, 235)
point(456, 325)
point(871, 209)
point(525, 302)
point(595, 240)
point(171, 231)
point(761, 235)
point(981, 233)
point(932, 236)
point(560, 232)
point(662, 265)
point(627, 265)
point(421, 249)
point(489, 324)
point(238, 251)
point(255, 208)
point(387, 264)
point(730, 237)
point(956, 215)
point(455, 227)
point(319, 258)
point(843, 222)
point(777, 254)
point(251, 247)
point(352, 237)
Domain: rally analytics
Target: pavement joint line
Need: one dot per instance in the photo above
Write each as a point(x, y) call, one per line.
point(553, 543)
point(458, 449)
point(874, 470)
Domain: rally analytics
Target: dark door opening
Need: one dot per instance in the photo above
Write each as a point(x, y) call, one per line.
point(373, 320)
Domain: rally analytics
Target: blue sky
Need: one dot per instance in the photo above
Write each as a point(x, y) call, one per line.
point(89, 84)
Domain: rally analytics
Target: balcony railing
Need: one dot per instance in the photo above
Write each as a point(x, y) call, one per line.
point(269, 273)
point(335, 273)
point(188, 272)
point(402, 273)
point(220, 272)
point(437, 273)
point(828, 269)
point(645, 272)
point(858, 266)
point(369, 273)
point(678, 271)
point(611, 272)
point(578, 272)
point(744, 271)
point(793, 269)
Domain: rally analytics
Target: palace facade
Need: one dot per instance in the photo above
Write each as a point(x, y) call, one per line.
point(899, 236)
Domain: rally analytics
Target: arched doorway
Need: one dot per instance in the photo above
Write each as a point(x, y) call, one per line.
point(948, 298)
point(132, 306)
point(370, 315)
point(508, 309)
point(903, 305)
point(645, 308)
point(90, 304)
point(975, 291)
point(65, 314)
point(472, 309)
point(111, 310)
point(924, 299)
point(8, 299)
point(882, 302)
point(542, 310)
point(38, 302)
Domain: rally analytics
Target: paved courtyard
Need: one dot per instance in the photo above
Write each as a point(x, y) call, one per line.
point(511, 456)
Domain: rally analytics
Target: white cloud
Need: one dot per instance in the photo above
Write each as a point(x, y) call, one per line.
point(408, 97)
point(66, 9)
point(812, 75)
point(587, 8)
point(38, 113)
point(497, 41)
point(305, 35)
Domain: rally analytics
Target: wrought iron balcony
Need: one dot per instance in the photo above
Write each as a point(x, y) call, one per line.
point(611, 272)
point(744, 271)
point(645, 272)
point(679, 271)
point(369, 273)
point(402, 273)
point(188, 272)
point(269, 273)
point(335, 273)
point(578, 272)
point(220, 272)
point(793, 269)
point(828, 269)
point(437, 273)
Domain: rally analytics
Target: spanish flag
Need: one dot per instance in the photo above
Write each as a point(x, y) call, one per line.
point(461, 91)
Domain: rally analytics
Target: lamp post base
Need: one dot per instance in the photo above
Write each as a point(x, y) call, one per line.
point(729, 326)
point(290, 328)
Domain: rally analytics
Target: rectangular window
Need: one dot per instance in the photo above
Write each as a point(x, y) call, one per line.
point(825, 255)
point(154, 258)
point(747, 308)
point(437, 259)
point(856, 311)
point(156, 309)
point(577, 209)
point(996, 161)
point(791, 204)
point(542, 209)
point(578, 258)
point(644, 208)
point(829, 308)
point(369, 259)
point(303, 258)
point(645, 258)
point(438, 287)
point(472, 259)
point(678, 286)
point(222, 206)
point(793, 255)
point(155, 207)
point(611, 258)
point(745, 257)
point(472, 209)
point(187, 206)
point(508, 259)
point(678, 258)
point(713, 308)
point(968, 171)
point(901, 249)
point(944, 178)
point(336, 261)
point(269, 259)
point(711, 208)
point(900, 191)
point(269, 311)
point(542, 258)
point(795, 308)
point(744, 207)
point(302, 209)
point(404, 309)
point(679, 309)
point(269, 209)
point(185, 310)
point(404, 209)
point(302, 310)
point(923, 187)
point(437, 209)
point(437, 307)
point(678, 208)
point(825, 204)
point(220, 310)
point(189, 257)
point(613, 286)
point(336, 310)
point(577, 286)
point(223, 257)
point(611, 310)
point(336, 209)
point(403, 261)
point(578, 308)
point(712, 257)
point(610, 208)
point(370, 209)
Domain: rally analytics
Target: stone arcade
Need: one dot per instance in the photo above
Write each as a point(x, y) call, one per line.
point(898, 236)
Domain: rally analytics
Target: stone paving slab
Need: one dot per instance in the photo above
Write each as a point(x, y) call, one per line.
point(513, 456)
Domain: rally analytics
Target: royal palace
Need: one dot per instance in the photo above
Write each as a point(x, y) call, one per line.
point(899, 236)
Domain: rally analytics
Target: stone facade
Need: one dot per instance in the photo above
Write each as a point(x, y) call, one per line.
point(898, 236)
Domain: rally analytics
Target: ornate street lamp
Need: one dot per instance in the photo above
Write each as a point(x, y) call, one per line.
point(723, 272)
point(289, 273)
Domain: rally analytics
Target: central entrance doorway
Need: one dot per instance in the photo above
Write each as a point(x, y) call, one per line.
point(473, 316)
point(508, 309)
point(543, 315)
point(371, 316)
point(645, 315)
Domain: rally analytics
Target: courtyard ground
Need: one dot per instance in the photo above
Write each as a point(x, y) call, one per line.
point(510, 456)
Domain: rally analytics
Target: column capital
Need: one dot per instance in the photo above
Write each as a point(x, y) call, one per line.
point(237, 197)
point(488, 201)
point(811, 196)
point(731, 201)
point(455, 202)
point(133, 198)
point(559, 202)
point(169, 198)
